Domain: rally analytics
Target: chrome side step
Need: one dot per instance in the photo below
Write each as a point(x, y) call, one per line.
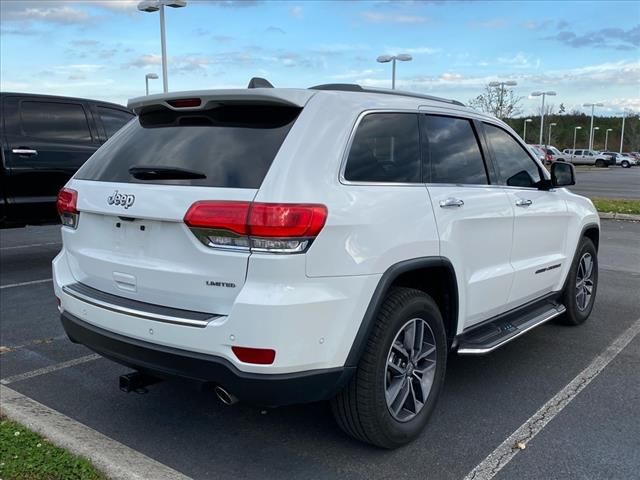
point(494, 334)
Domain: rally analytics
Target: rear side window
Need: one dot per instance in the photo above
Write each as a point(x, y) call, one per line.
point(230, 146)
point(113, 120)
point(516, 167)
point(56, 121)
point(385, 148)
point(454, 154)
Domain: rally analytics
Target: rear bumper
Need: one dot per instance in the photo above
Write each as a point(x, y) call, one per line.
point(163, 361)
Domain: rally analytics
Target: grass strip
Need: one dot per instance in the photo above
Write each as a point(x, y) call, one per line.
point(610, 205)
point(25, 455)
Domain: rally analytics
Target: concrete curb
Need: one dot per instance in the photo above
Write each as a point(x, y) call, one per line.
point(115, 460)
point(628, 217)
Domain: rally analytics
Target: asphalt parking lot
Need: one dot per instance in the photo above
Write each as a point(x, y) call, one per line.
point(612, 182)
point(597, 435)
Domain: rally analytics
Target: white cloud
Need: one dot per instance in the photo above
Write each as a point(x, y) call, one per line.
point(117, 4)
point(59, 15)
point(377, 17)
point(297, 12)
point(414, 50)
point(352, 74)
point(520, 60)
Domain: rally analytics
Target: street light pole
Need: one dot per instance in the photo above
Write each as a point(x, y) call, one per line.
point(575, 131)
point(155, 6)
point(524, 132)
point(510, 83)
point(403, 57)
point(550, 126)
point(543, 94)
point(624, 116)
point(593, 106)
point(152, 76)
point(593, 135)
point(606, 138)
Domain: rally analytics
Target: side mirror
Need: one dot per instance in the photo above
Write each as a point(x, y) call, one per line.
point(563, 174)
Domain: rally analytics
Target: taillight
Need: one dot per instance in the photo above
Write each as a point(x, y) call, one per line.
point(67, 205)
point(260, 227)
point(259, 356)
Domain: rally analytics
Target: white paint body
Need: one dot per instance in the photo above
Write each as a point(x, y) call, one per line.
point(308, 307)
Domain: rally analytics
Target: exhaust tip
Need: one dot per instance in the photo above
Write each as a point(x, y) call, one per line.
point(224, 396)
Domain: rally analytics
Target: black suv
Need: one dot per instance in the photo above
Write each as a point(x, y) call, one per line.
point(44, 139)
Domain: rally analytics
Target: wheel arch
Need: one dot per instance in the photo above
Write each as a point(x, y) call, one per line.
point(592, 232)
point(433, 275)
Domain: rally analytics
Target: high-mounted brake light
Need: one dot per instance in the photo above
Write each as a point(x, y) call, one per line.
point(67, 207)
point(185, 102)
point(261, 227)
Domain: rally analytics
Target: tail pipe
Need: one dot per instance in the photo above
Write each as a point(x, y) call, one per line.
point(224, 396)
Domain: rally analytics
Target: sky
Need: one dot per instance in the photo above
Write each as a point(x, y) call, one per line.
point(585, 51)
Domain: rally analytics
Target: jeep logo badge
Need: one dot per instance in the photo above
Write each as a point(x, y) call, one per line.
point(122, 199)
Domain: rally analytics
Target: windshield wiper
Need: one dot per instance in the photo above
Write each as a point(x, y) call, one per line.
point(164, 173)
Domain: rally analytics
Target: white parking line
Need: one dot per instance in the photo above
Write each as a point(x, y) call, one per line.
point(504, 453)
point(115, 460)
point(24, 284)
point(49, 369)
point(30, 245)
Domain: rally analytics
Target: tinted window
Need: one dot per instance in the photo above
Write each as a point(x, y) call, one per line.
point(113, 120)
point(232, 146)
point(386, 148)
point(453, 151)
point(60, 121)
point(577, 152)
point(516, 167)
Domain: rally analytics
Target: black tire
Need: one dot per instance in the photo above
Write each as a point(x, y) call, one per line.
point(574, 314)
point(361, 408)
point(625, 164)
point(600, 163)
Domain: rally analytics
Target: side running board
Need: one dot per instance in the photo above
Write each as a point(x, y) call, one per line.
point(494, 334)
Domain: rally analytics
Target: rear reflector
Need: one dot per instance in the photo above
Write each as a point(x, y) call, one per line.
point(67, 207)
point(185, 102)
point(259, 356)
point(268, 227)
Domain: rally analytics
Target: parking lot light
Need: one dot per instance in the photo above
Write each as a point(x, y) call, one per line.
point(509, 83)
point(524, 132)
point(543, 95)
point(403, 57)
point(593, 106)
point(624, 116)
point(551, 125)
point(150, 6)
point(575, 131)
point(593, 135)
point(152, 76)
point(606, 138)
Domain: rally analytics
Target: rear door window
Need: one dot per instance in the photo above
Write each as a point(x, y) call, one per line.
point(55, 121)
point(454, 155)
point(385, 148)
point(113, 119)
point(229, 146)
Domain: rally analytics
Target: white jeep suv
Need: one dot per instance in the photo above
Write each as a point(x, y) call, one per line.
point(297, 245)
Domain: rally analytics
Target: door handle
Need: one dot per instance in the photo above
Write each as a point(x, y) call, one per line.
point(451, 202)
point(521, 202)
point(24, 151)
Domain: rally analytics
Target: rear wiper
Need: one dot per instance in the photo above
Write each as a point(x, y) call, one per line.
point(164, 173)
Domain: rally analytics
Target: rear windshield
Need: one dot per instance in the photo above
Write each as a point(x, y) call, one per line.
point(230, 146)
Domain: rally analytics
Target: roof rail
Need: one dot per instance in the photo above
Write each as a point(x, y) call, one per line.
point(352, 87)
